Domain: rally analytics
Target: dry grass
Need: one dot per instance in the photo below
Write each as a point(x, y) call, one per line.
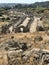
point(3, 23)
point(27, 38)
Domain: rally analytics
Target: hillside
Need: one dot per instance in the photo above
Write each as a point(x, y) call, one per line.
point(24, 33)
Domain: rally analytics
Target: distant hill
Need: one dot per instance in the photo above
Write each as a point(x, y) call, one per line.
point(42, 4)
point(33, 5)
point(7, 4)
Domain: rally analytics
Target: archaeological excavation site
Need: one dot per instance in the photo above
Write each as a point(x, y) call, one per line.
point(24, 34)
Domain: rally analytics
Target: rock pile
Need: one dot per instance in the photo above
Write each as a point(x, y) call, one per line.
point(16, 53)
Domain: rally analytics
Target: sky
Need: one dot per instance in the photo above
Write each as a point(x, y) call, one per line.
point(21, 1)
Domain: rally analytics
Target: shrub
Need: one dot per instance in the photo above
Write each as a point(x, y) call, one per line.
point(38, 38)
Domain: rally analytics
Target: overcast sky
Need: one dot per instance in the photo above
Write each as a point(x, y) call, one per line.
point(21, 1)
